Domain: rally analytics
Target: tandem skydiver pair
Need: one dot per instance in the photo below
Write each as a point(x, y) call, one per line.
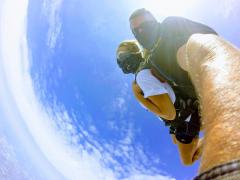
point(160, 84)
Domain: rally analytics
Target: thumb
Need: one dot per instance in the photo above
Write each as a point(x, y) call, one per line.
point(201, 48)
point(199, 51)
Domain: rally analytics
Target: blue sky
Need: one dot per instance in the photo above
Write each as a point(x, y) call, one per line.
point(72, 110)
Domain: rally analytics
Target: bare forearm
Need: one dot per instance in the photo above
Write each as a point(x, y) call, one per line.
point(220, 99)
point(214, 68)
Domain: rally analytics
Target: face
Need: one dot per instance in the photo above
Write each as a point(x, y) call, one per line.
point(129, 63)
point(145, 29)
point(138, 20)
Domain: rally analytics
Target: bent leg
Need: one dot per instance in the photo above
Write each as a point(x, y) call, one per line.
point(189, 153)
point(165, 105)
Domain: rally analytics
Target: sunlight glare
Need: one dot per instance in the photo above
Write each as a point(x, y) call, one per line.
point(162, 8)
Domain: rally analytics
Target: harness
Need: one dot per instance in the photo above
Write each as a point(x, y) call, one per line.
point(186, 125)
point(173, 33)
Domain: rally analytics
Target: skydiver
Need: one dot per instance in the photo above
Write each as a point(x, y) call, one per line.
point(158, 97)
point(161, 42)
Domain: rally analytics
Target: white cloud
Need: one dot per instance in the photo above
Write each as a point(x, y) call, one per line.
point(48, 134)
point(51, 9)
point(28, 117)
point(120, 103)
point(10, 167)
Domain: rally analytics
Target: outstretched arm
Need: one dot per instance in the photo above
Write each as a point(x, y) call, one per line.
point(214, 67)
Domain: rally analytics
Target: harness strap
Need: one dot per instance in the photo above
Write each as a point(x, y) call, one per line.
point(185, 130)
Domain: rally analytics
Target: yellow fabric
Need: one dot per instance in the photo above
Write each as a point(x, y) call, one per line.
point(161, 105)
point(189, 153)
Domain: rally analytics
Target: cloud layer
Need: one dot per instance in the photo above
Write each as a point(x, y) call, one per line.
point(47, 134)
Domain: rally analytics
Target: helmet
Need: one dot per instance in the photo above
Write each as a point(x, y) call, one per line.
point(129, 56)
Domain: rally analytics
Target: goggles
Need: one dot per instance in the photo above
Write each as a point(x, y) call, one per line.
point(129, 62)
